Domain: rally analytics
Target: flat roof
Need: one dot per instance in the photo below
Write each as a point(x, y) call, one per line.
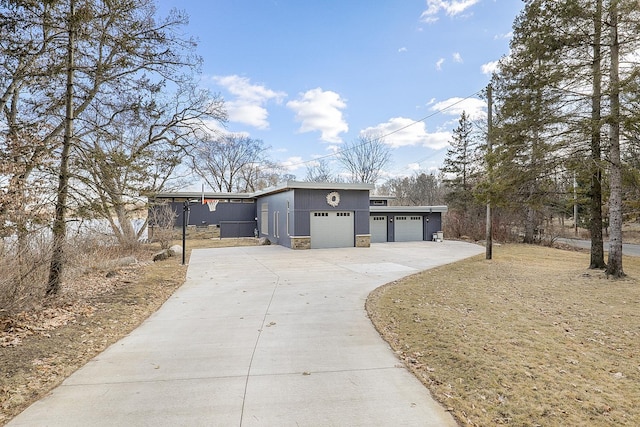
point(292, 185)
point(284, 186)
point(407, 209)
point(197, 195)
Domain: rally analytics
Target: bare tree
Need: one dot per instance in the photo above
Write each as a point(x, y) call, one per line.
point(420, 189)
point(319, 171)
point(365, 158)
point(162, 219)
point(231, 162)
point(135, 151)
point(59, 59)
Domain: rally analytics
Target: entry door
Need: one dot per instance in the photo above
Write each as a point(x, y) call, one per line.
point(408, 228)
point(378, 228)
point(330, 229)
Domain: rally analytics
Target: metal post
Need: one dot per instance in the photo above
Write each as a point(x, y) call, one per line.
point(185, 209)
point(575, 204)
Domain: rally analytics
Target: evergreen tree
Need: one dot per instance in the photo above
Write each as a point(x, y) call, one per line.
point(461, 170)
point(461, 162)
point(527, 137)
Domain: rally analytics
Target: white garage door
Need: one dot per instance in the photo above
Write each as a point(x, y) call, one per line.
point(332, 229)
point(378, 228)
point(408, 228)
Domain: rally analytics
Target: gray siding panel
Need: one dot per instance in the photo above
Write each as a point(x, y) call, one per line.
point(278, 231)
point(200, 214)
point(309, 200)
point(433, 224)
point(237, 228)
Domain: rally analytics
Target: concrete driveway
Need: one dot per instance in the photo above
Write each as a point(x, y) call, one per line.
point(260, 336)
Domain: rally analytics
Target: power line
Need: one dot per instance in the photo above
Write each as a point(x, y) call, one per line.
point(380, 137)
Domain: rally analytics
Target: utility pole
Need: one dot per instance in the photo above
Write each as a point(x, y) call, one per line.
point(575, 204)
point(489, 228)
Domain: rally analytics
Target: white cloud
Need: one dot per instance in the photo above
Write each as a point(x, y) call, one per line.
point(505, 36)
point(413, 166)
point(404, 132)
point(474, 107)
point(402, 49)
point(451, 8)
point(457, 57)
point(293, 163)
point(248, 106)
point(439, 64)
point(489, 67)
point(319, 110)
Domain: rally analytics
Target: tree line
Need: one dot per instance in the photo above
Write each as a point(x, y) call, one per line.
point(101, 107)
point(565, 129)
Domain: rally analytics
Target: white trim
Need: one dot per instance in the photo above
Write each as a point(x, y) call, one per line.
point(407, 209)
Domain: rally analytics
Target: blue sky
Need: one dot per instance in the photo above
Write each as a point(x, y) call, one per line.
point(306, 76)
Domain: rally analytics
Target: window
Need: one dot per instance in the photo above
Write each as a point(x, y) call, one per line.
point(344, 213)
point(401, 218)
point(379, 218)
point(321, 214)
point(264, 218)
point(416, 218)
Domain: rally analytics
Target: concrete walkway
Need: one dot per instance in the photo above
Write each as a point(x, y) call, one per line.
point(260, 336)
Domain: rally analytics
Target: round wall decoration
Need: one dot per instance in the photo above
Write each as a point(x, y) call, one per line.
point(333, 199)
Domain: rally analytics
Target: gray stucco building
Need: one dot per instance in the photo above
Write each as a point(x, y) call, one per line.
point(308, 215)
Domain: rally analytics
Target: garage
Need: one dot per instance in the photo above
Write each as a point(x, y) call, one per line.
point(408, 228)
point(378, 228)
point(332, 229)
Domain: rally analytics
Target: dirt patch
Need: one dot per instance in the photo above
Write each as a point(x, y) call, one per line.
point(530, 338)
point(40, 348)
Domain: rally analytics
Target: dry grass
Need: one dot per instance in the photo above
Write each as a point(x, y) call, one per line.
point(531, 338)
point(209, 237)
point(102, 303)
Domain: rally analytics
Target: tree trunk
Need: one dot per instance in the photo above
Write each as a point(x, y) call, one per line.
point(615, 175)
point(595, 224)
point(530, 226)
point(127, 236)
point(59, 230)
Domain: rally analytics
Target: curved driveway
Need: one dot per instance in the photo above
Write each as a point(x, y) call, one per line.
point(260, 336)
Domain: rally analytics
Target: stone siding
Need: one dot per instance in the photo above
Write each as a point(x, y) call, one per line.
point(301, 242)
point(363, 240)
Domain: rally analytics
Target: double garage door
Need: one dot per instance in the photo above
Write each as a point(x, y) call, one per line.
point(331, 229)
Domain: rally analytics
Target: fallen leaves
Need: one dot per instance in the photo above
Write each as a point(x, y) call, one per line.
point(41, 347)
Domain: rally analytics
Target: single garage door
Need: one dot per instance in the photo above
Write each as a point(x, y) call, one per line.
point(408, 228)
point(330, 229)
point(378, 228)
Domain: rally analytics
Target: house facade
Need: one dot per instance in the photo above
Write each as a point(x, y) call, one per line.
point(307, 215)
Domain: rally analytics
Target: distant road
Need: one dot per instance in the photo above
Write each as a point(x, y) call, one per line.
point(627, 248)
